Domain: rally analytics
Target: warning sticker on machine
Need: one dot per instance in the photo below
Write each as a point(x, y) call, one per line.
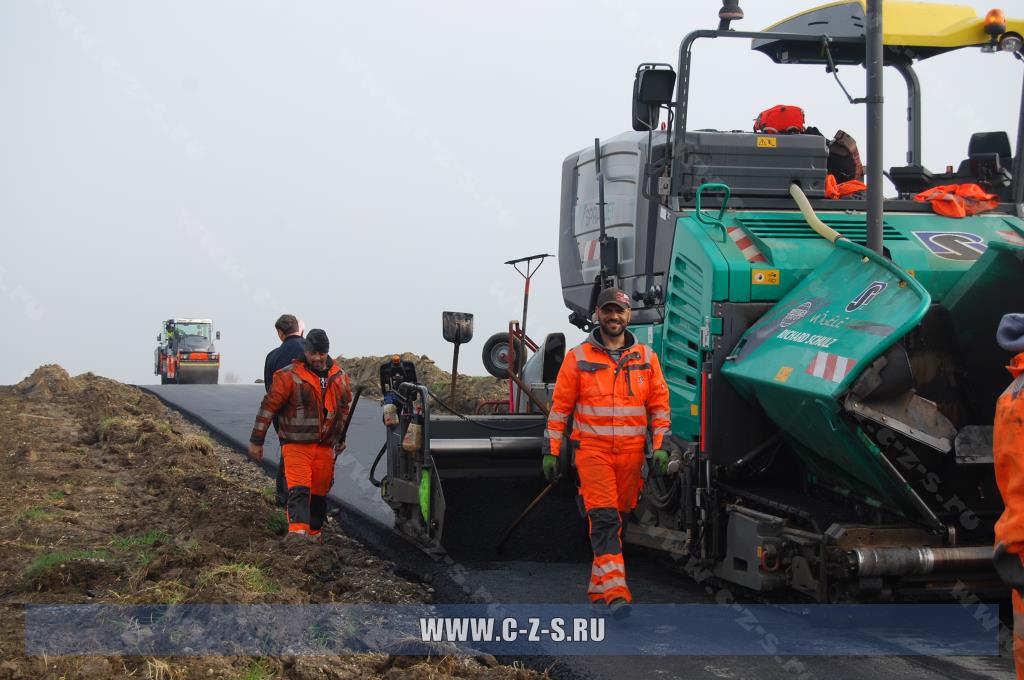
point(784, 373)
point(764, 277)
point(830, 366)
point(767, 142)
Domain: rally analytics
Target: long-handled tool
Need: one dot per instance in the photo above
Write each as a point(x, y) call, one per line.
point(527, 511)
point(344, 427)
point(547, 489)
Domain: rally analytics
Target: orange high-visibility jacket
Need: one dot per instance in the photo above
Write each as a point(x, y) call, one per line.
point(612, 404)
point(1008, 451)
point(304, 413)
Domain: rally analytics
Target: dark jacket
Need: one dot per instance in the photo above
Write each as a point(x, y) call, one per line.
point(283, 355)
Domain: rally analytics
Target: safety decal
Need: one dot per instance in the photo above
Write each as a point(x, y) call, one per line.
point(589, 250)
point(830, 366)
point(953, 245)
point(783, 374)
point(795, 314)
point(746, 245)
point(864, 298)
point(764, 277)
point(1011, 237)
point(767, 142)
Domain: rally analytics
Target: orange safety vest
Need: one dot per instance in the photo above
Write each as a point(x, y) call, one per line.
point(838, 190)
point(958, 200)
point(305, 414)
point(612, 403)
point(1008, 452)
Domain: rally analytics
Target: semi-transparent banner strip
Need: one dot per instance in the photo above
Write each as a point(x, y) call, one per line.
point(557, 630)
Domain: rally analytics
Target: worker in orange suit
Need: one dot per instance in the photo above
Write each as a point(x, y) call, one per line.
point(1008, 450)
point(311, 399)
point(613, 389)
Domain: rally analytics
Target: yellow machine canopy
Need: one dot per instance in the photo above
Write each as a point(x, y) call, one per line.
point(911, 30)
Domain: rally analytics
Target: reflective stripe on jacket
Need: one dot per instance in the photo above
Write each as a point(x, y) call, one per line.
point(304, 414)
point(1008, 453)
point(612, 403)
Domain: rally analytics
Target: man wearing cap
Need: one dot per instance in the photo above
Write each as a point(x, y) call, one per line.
point(1008, 452)
point(310, 398)
point(613, 388)
point(289, 332)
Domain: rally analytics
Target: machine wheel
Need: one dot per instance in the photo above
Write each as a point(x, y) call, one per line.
point(164, 380)
point(495, 354)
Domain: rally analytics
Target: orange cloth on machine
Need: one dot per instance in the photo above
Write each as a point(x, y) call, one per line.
point(834, 190)
point(958, 200)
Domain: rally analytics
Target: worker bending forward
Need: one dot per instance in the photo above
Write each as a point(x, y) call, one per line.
point(613, 388)
point(1008, 451)
point(311, 399)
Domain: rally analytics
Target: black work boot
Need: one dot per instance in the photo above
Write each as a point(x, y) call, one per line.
point(620, 608)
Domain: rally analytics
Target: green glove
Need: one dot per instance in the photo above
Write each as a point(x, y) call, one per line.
point(551, 468)
point(661, 461)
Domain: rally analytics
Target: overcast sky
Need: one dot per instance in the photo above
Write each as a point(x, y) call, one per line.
point(362, 165)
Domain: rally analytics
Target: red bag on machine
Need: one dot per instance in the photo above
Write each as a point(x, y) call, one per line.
point(958, 200)
point(780, 119)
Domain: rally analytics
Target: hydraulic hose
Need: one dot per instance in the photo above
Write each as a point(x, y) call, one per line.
point(812, 219)
point(373, 468)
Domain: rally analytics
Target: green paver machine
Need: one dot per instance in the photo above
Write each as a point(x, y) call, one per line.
point(832, 363)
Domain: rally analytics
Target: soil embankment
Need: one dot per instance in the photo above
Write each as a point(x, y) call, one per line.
point(110, 497)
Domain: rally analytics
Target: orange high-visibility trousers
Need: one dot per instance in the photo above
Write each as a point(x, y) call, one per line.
point(610, 485)
point(1018, 633)
point(308, 471)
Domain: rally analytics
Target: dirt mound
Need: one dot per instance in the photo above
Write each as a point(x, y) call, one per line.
point(113, 498)
point(471, 391)
point(46, 382)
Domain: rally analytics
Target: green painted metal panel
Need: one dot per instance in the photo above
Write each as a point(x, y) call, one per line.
point(698, 275)
point(803, 354)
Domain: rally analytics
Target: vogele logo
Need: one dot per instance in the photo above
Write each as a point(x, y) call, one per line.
point(865, 297)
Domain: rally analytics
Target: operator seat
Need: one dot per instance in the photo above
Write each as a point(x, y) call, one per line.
point(989, 162)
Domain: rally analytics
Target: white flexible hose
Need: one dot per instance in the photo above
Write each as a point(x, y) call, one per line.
point(808, 212)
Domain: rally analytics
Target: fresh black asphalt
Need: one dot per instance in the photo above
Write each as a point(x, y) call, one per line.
point(545, 562)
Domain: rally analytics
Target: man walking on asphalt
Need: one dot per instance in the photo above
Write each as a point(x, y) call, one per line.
point(613, 388)
point(1008, 452)
point(289, 332)
point(311, 399)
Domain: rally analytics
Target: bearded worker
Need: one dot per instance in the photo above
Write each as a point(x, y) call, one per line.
point(613, 388)
point(311, 399)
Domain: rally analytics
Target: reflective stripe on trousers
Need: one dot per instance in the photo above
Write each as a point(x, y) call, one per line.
point(1018, 633)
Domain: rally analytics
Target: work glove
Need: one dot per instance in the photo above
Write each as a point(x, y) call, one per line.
point(661, 461)
point(551, 468)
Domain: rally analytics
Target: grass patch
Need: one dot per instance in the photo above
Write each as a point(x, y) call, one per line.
point(269, 494)
point(277, 522)
point(35, 513)
point(165, 592)
point(56, 495)
point(254, 578)
point(125, 426)
point(197, 443)
point(257, 670)
point(46, 562)
point(145, 540)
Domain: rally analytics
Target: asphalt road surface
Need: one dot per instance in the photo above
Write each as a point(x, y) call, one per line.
point(547, 560)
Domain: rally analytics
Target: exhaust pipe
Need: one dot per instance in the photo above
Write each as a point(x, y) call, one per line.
point(907, 561)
